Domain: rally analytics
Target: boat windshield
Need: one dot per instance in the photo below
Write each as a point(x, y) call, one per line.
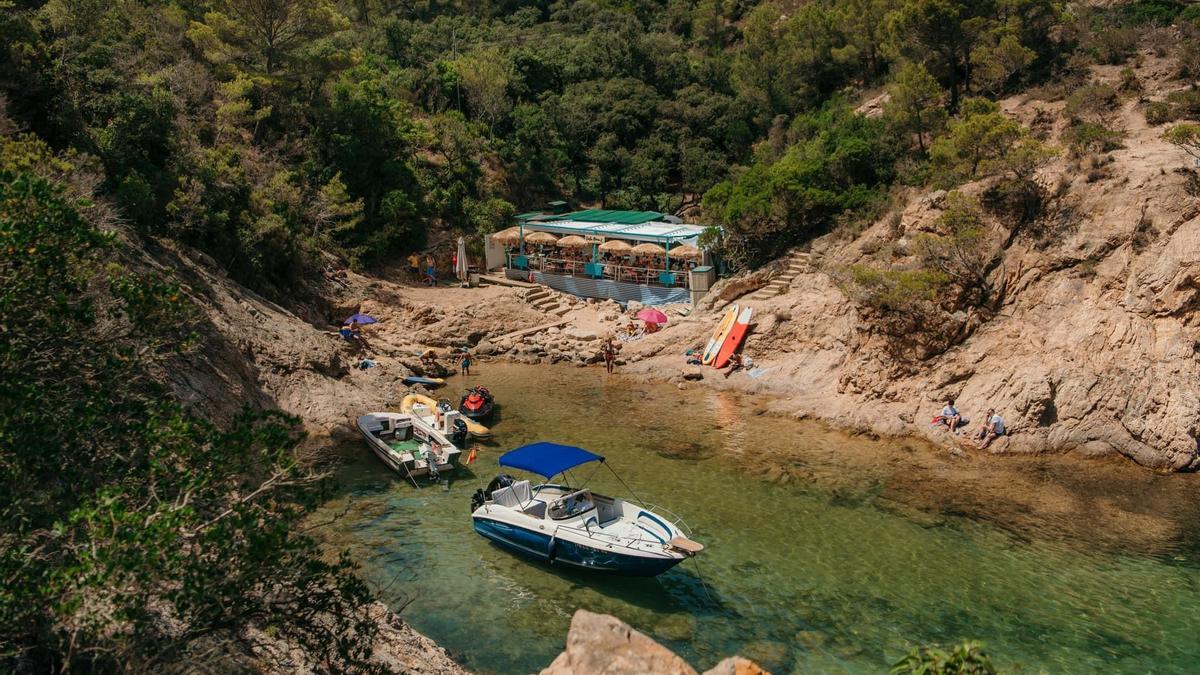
point(572, 505)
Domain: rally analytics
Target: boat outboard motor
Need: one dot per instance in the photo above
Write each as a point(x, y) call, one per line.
point(502, 481)
point(459, 436)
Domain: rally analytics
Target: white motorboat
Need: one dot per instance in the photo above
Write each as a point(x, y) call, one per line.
point(561, 524)
point(408, 444)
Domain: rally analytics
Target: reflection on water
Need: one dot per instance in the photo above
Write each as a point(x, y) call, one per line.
point(825, 553)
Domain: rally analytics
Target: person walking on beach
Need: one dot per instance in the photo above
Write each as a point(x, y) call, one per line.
point(609, 352)
point(414, 266)
point(430, 272)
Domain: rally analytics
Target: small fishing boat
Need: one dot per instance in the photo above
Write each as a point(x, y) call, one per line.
point(408, 444)
point(419, 404)
point(477, 403)
point(561, 524)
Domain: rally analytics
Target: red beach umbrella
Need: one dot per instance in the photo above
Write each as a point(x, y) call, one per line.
point(650, 315)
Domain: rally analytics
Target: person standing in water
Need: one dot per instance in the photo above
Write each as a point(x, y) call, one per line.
point(609, 352)
point(465, 363)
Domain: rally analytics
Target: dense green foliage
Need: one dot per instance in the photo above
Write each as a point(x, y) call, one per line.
point(265, 132)
point(132, 535)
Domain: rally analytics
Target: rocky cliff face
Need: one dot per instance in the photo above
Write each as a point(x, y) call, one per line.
point(1093, 349)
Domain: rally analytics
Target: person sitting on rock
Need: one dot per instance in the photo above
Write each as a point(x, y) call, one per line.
point(992, 427)
point(735, 364)
point(950, 416)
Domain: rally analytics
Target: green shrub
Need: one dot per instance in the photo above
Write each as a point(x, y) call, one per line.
point(1113, 45)
point(1156, 12)
point(1095, 103)
point(1085, 138)
point(1186, 103)
point(897, 290)
point(1159, 112)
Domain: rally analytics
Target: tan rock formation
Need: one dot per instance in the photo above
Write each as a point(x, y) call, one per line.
point(599, 644)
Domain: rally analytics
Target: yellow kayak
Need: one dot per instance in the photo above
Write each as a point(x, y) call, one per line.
point(474, 428)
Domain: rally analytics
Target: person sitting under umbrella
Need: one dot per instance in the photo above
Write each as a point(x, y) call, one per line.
point(352, 328)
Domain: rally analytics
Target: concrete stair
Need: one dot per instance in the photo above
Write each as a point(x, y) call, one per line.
point(798, 263)
point(546, 301)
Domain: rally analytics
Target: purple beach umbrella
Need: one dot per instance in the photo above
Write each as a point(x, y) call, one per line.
point(362, 319)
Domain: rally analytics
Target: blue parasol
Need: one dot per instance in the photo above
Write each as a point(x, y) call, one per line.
point(362, 319)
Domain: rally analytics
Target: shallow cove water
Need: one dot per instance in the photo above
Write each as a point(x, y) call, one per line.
point(825, 553)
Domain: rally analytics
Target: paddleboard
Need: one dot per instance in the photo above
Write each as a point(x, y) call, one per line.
point(427, 381)
point(473, 428)
point(718, 336)
point(734, 340)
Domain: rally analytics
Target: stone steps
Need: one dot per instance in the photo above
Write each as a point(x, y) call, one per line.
point(546, 301)
point(799, 263)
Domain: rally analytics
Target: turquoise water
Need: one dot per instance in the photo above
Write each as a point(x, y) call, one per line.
point(824, 553)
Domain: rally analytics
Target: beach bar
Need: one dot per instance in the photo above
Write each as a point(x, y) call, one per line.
point(645, 256)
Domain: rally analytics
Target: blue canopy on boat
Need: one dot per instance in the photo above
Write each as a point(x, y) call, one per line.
point(547, 459)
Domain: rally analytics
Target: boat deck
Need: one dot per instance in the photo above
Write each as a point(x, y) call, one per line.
point(410, 446)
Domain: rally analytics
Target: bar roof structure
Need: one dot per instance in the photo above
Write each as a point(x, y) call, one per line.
point(633, 225)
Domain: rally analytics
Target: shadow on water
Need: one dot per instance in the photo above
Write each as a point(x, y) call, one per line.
point(677, 590)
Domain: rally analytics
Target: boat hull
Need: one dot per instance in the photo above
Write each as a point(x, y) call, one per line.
point(555, 551)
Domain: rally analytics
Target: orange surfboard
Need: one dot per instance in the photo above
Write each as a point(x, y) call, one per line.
point(734, 339)
point(719, 335)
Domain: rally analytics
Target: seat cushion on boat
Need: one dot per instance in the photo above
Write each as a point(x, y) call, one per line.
point(536, 508)
point(523, 491)
point(506, 497)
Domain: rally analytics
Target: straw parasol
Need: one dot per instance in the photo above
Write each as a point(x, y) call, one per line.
point(616, 246)
point(649, 249)
point(540, 238)
point(510, 236)
point(573, 241)
point(686, 251)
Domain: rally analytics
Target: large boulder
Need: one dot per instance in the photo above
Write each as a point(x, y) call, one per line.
point(599, 644)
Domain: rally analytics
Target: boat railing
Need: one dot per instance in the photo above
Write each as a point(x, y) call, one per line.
point(619, 541)
point(678, 522)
